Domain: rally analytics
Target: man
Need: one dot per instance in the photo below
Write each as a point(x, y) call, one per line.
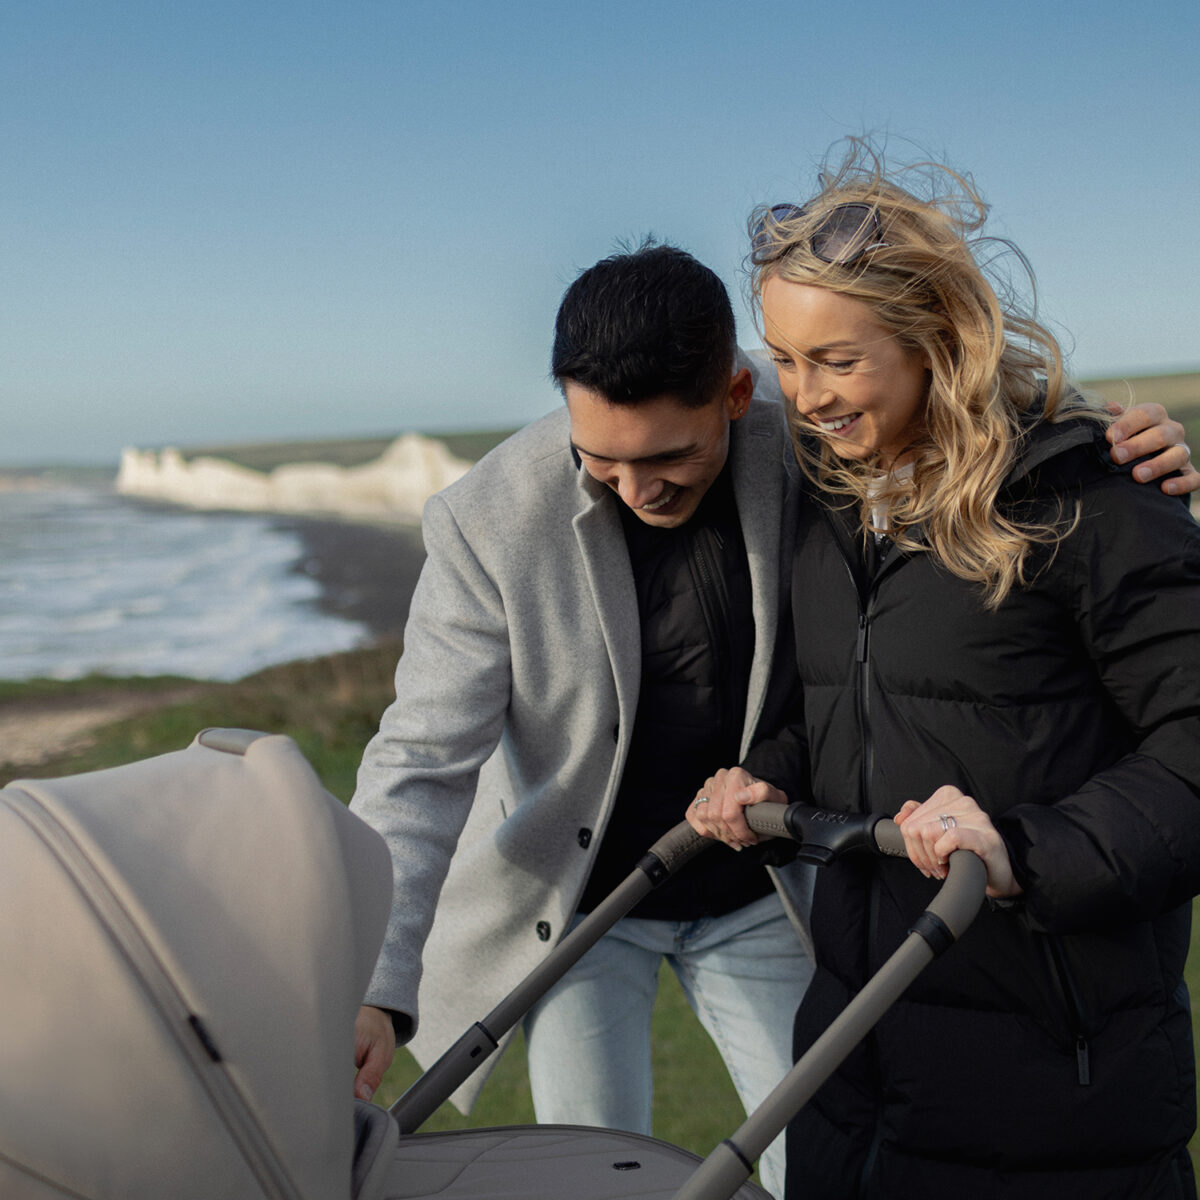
point(592, 635)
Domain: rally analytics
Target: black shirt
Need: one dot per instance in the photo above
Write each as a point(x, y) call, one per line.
point(697, 631)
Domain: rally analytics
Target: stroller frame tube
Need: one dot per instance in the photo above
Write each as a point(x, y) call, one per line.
point(823, 836)
point(672, 851)
point(952, 910)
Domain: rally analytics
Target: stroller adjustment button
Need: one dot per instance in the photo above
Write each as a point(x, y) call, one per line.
point(585, 838)
point(543, 930)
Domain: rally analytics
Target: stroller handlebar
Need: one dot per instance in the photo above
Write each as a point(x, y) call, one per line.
point(823, 836)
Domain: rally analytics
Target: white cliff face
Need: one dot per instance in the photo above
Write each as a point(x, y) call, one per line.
point(395, 485)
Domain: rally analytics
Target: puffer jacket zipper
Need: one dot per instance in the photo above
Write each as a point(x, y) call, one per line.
point(1064, 981)
point(862, 650)
point(864, 595)
point(195, 1041)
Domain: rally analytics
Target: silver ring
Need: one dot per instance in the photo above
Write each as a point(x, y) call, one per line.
point(948, 822)
point(699, 800)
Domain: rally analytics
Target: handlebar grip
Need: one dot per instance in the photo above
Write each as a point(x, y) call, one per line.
point(888, 838)
point(768, 820)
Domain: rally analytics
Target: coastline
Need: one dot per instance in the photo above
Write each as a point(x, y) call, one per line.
point(366, 570)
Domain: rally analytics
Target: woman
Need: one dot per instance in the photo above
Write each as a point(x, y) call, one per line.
point(998, 637)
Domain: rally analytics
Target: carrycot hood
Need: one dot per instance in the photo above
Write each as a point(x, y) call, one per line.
point(186, 942)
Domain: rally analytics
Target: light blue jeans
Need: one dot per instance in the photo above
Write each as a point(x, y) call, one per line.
point(588, 1038)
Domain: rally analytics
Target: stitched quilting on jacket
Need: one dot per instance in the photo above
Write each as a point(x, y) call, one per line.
point(1049, 1052)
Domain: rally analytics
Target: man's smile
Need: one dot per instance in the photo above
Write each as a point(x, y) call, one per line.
point(668, 495)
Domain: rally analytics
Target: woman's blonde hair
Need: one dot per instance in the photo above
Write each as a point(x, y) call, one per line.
point(994, 370)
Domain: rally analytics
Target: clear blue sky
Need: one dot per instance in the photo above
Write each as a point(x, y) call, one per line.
point(235, 221)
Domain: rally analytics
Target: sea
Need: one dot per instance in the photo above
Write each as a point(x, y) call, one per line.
point(91, 581)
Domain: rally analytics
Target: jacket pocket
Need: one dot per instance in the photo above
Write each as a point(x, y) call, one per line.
point(1079, 1026)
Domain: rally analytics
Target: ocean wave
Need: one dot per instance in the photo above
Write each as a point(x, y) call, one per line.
point(93, 582)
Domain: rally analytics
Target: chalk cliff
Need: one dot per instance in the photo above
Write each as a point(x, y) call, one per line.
point(395, 485)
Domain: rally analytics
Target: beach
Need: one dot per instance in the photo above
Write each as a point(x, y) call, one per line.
point(366, 571)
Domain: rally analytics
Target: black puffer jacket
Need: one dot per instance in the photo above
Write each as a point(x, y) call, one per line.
point(1048, 1053)
point(697, 634)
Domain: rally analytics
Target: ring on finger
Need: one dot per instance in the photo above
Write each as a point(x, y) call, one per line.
point(699, 800)
point(948, 822)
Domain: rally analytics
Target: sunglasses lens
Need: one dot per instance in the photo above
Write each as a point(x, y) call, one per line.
point(842, 237)
point(761, 242)
point(785, 212)
point(846, 233)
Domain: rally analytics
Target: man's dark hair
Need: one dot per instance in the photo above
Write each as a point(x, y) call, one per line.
point(647, 323)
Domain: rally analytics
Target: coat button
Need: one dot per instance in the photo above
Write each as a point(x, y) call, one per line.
point(543, 930)
point(585, 838)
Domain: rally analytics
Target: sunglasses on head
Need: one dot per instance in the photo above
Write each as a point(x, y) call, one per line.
point(843, 236)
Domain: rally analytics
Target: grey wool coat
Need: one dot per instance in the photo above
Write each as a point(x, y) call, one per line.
point(493, 774)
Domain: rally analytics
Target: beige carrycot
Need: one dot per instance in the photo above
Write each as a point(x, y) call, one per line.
point(184, 944)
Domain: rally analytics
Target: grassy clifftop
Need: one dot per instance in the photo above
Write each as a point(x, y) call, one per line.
point(330, 706)
point(1179, 394)
point(342, 452)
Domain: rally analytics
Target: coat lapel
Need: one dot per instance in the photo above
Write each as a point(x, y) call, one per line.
point(758, 484)
point(606, 563)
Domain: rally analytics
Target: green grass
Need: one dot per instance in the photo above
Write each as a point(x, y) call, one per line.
point(331, 707)
point(695, 1104)
point(43, 689)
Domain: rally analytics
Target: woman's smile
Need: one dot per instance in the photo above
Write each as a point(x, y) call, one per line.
point(836, 424)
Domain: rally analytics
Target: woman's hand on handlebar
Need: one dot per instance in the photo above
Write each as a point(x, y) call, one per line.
point(948, 821)
point(716, 812)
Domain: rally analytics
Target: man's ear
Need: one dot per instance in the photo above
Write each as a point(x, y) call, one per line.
point(741, 391)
